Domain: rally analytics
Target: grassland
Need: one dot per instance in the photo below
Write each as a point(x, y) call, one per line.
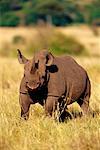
point(40, 132)
point(33, 38)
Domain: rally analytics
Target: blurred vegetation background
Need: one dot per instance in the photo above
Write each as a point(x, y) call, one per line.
point(57, 12)
point(35, 22)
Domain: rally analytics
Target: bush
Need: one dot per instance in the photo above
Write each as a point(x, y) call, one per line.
point(45, 37)
point(5, 6)
point(57, 42)
point(9, 19)
point(61, 20)
point(66, 45)
point(62, 12)
point(30, 17)
point(18, 40)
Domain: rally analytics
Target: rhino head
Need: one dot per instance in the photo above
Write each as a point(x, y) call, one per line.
point(35, 69)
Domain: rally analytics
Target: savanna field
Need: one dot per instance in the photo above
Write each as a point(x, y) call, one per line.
point(40, 132)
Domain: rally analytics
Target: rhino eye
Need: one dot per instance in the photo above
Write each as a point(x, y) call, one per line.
point(36, 65)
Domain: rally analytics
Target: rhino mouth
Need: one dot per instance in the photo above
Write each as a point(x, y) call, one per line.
point(32, 87)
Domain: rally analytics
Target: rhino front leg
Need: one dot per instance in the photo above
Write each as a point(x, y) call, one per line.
point(51, 105)
point(25, 105)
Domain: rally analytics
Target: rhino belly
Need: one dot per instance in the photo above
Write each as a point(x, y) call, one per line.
point(74, 91)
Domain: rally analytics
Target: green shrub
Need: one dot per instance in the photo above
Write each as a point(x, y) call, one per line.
point(30, 17)
point(5, 6)
point(57, 42)
point(61, 20)
point(18, 40)
point(66, 45)
point(9, 19)
point(45, 38)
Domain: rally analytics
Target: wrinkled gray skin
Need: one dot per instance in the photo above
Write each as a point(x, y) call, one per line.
point(52, 79)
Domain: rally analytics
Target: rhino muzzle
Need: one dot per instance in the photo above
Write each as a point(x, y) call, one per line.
point(32, 86)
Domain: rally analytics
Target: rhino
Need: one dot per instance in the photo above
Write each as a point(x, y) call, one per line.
point(49, 80)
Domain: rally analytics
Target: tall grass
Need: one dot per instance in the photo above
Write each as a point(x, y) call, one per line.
point(40, 132)
point(44, 37)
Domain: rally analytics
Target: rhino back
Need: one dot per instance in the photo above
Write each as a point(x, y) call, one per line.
point(70, 77)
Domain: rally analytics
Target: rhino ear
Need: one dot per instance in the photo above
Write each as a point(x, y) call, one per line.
point(50, 59)
point(21, 58)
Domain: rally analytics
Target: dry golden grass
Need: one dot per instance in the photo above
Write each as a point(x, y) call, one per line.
point(82, 34)
point(7, 33)
point(40, 133)
point(86, 36)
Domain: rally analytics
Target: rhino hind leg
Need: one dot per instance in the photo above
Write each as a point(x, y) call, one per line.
point(84, 99)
